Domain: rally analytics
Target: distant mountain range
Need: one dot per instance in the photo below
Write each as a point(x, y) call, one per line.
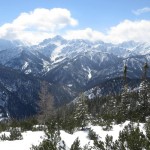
point(70, 67)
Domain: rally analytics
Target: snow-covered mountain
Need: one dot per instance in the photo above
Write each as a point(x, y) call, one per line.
point(72, 66)
point(7, 44)
point(79, 63)
point(89, 58)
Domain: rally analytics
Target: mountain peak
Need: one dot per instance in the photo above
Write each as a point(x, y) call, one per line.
point(57, 40)
point(58, 37)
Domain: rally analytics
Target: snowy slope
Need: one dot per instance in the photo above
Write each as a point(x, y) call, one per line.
point(29, 139)
point(34, 138)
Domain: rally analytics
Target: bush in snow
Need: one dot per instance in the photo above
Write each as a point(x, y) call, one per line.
point(92, 135)
point(76, 145)
point(15, 134)
point(3, 137)
point(53, 140)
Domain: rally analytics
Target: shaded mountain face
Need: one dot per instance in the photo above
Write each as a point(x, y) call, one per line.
point(19, 93)
point(69, 66)
point(112, 87)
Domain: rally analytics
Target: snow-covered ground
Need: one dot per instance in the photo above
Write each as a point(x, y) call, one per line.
point(34, 138)
point(83, 135)
point(29, 138)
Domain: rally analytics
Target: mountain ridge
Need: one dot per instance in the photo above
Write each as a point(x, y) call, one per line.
point(74, 66)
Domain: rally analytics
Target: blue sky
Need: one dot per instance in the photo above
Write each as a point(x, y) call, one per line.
point(97, 16)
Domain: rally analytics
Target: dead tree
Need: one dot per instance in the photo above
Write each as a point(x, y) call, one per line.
point(46, 103)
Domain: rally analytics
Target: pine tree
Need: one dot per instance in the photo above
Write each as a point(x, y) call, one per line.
point(76, 145)
point(81, 112)
point(147, 129)
point(109, 142)
point(125, 101)
point(132, 138)
point(144, 95)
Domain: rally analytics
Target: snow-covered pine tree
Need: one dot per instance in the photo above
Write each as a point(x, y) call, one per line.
point(144, 94)
point(81, 112)
point(125, 100)
point(76, 145)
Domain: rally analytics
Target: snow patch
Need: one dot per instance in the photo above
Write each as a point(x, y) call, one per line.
point(89, 73)
point(34, 138)
point(28, 71)
point(29, 138)
point(83, 135)
point(25, 65)
point(69, 85)
point(46, 65)
point(69, 139)
point(56, 52)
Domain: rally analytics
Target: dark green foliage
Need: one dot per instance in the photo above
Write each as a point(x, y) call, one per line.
point(129, 105)
point(81, 112)
point(76, 145)
point(97, 143)
point(3, 126)
point(132, 138)
point(69, 125)
point(109, 142)
point(92, 135)
point(25, 125)
point(14, 123)
point(65, 118)
point(28, 124)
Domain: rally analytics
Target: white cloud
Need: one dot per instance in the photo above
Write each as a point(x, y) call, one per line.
point(43, 23)
point(124, 31)
point(88, 34)
point(37, 25)
point(141, 11)
point(130, 30)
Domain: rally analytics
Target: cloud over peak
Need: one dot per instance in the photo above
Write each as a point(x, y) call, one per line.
point(41, 21)
point(125, 31)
